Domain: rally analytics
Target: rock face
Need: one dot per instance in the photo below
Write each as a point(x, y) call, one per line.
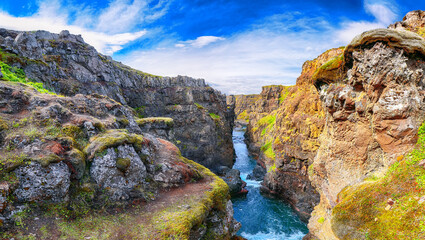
point(69, 66)
point(373, 113)
point(75, 156)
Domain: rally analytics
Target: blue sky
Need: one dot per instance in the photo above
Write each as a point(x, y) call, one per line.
point(236, 45)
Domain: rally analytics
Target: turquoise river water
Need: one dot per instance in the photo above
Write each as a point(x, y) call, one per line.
point(262, 218)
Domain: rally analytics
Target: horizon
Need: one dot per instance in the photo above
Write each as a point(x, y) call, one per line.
point(237, 47)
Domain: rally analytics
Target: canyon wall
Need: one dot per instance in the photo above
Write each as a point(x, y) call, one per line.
point(348, 132)
point(284, 123)
point(373, 110)
point(65, 64)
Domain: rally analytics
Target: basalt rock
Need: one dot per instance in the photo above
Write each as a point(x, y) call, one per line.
point(67, 159)
point(67, 65)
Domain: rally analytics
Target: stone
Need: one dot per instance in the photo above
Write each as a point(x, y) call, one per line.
point(234, 181)
point(109, 176)
point(37, 183)
point(257, 174)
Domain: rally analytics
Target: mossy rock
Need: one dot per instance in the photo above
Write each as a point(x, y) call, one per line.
point(158, 120)
point(47, 160)
point(112, 138)
point(123, 164)
point(78, 162)
point(329, 72)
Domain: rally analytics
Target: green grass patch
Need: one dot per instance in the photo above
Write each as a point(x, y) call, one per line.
point(13, 74)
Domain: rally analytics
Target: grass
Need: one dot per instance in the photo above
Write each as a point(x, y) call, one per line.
point(199, 106)
point(13, 74)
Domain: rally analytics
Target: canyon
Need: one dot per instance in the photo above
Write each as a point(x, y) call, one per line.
point(342, 143)
point(89, 146)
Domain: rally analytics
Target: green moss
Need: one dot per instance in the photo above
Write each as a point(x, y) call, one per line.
point(123, 163)
point(176, 222)
point(283, 94)
point(112, 138)
point(46, 160)
point(140, 111)
point(3, 125)
point(267, 148)
point(10, 161)
point(199, 106)
point(75, 133)
point(214, 116)
point(166, 120)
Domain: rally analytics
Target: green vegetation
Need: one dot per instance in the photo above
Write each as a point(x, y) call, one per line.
point(14, 74)
point(199, 106)
point(268, 150)
point(214, 116)
point(267, 122)
point(365, 206)
point(166, 120)
point(112, 138)
point(285, 92)
point(243, 116)
point(140, 111)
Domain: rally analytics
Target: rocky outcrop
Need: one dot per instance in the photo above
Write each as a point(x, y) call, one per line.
point(67, 160)
point(373, 113)
point(64, 63)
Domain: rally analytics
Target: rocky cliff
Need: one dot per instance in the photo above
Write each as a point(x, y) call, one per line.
point(66, 65)
point(84, 150)
point(373, 110)
point(350, 126)
point(71, 168)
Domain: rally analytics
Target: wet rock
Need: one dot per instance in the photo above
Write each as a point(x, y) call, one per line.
point(233, 179)
point(257, 174)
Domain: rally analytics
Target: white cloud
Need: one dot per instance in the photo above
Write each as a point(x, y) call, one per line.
point(108, 32)
point(239, 64)
point(382, 13)
point(383, 17)
point(199, 42)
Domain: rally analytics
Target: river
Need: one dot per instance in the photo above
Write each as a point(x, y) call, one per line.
point(261, 217)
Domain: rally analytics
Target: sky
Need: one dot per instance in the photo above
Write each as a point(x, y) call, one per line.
point(237, 46)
